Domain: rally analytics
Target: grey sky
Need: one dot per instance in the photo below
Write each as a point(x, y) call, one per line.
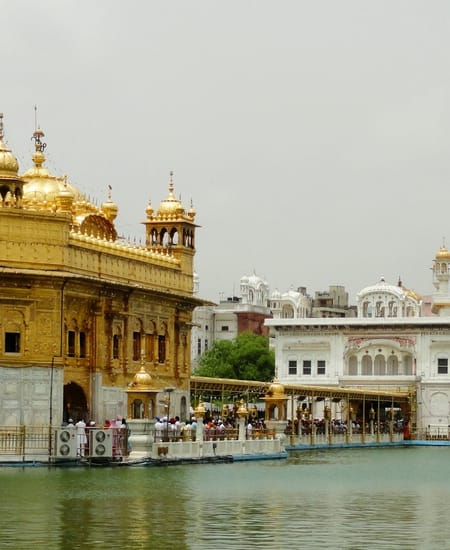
point(312, 137)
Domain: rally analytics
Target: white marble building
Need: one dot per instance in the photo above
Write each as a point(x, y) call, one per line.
point(389, 345)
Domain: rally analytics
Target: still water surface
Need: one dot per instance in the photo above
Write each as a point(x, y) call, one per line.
point(338, 499)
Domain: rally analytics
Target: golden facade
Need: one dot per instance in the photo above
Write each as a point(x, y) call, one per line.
point(77, 300)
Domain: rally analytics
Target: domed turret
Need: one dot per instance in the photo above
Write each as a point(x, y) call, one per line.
point(110, 208)
point(9, 167)
point(170, 207)
point(192, 211)
point(276, 389)
point(387, 300)
point(142, 379)
point(11, 184)
point(443, 253)
point(42, 190)
point(149, 210)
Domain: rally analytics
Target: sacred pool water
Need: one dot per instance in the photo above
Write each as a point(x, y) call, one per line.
point(336, 499)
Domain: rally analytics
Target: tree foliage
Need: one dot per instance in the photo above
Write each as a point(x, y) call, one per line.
point(247, 357)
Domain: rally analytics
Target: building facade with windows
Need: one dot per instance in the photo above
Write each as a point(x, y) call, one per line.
point(232, 316)
point(85, 315)
point(391, 344)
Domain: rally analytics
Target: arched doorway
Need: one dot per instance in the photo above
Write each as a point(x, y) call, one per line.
point(75, 403)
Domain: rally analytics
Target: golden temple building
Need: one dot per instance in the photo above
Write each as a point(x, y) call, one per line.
point(86, 315)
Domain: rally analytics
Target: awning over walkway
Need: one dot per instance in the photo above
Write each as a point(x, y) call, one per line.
point(205, 386)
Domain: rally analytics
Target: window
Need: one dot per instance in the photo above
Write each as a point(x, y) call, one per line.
point(136, 346)
point(442, 366)
point(161, 349)
point(82, 344)
point(206, 344)
point(307, 367)
point(224, 328)
point(199, 346)
point(149, 345)
point(116, 346)
point(292, 367)
point(321, 367)
point(206, 327)
point(71, 343)
point(12, 342)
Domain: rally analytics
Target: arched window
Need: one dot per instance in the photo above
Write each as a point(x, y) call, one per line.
point(379, 309)
point(287, 312)
point(366, 365)
point(380, 365)
point(392, 365)
point(174, 236)
point(407, 364)
point(353, 366)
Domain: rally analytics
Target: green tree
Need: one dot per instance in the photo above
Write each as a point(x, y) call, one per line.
point(247, 357)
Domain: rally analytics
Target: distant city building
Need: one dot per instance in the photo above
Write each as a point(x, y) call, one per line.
point(231, 317)
point(248, 311)
point(332, 303)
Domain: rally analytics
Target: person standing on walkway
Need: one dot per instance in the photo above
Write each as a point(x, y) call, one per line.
point(81, 436)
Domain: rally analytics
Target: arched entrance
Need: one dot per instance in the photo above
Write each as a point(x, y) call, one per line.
point(75, 403)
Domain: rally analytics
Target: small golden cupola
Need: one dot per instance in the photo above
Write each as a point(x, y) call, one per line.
point(11, 184)
point(171, 207)
point(443, 254)
point(110, 208)
point(142, 379)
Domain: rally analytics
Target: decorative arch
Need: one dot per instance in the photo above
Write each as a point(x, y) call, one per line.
point(287, 311)
point(75, 402)
point(173, 236)
point(98, 226)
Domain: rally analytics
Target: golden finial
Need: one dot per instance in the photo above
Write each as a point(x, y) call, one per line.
point(37, 135)
point(171, 182)
point(1, 127)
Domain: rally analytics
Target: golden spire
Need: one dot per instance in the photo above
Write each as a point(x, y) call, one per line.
point(39, 145)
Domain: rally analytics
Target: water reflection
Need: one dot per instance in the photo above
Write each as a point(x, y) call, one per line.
point(382, 498)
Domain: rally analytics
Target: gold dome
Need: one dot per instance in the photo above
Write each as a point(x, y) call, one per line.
point(443, 254)
point(9, 167)
point(43, 191)
point(149, 210)
point(142, 379)
point(8, 162)
point(276, 389)
point(171, 207)
point(110, 208)
point(41, 187)
point(192, 211)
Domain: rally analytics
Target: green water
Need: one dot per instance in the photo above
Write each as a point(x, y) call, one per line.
point(348, 498)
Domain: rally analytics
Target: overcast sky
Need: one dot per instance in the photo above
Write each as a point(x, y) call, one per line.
point(313, 137)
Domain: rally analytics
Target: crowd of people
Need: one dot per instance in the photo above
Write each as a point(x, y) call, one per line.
point(215, 428)
point(120, 435)
point(337, 426)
